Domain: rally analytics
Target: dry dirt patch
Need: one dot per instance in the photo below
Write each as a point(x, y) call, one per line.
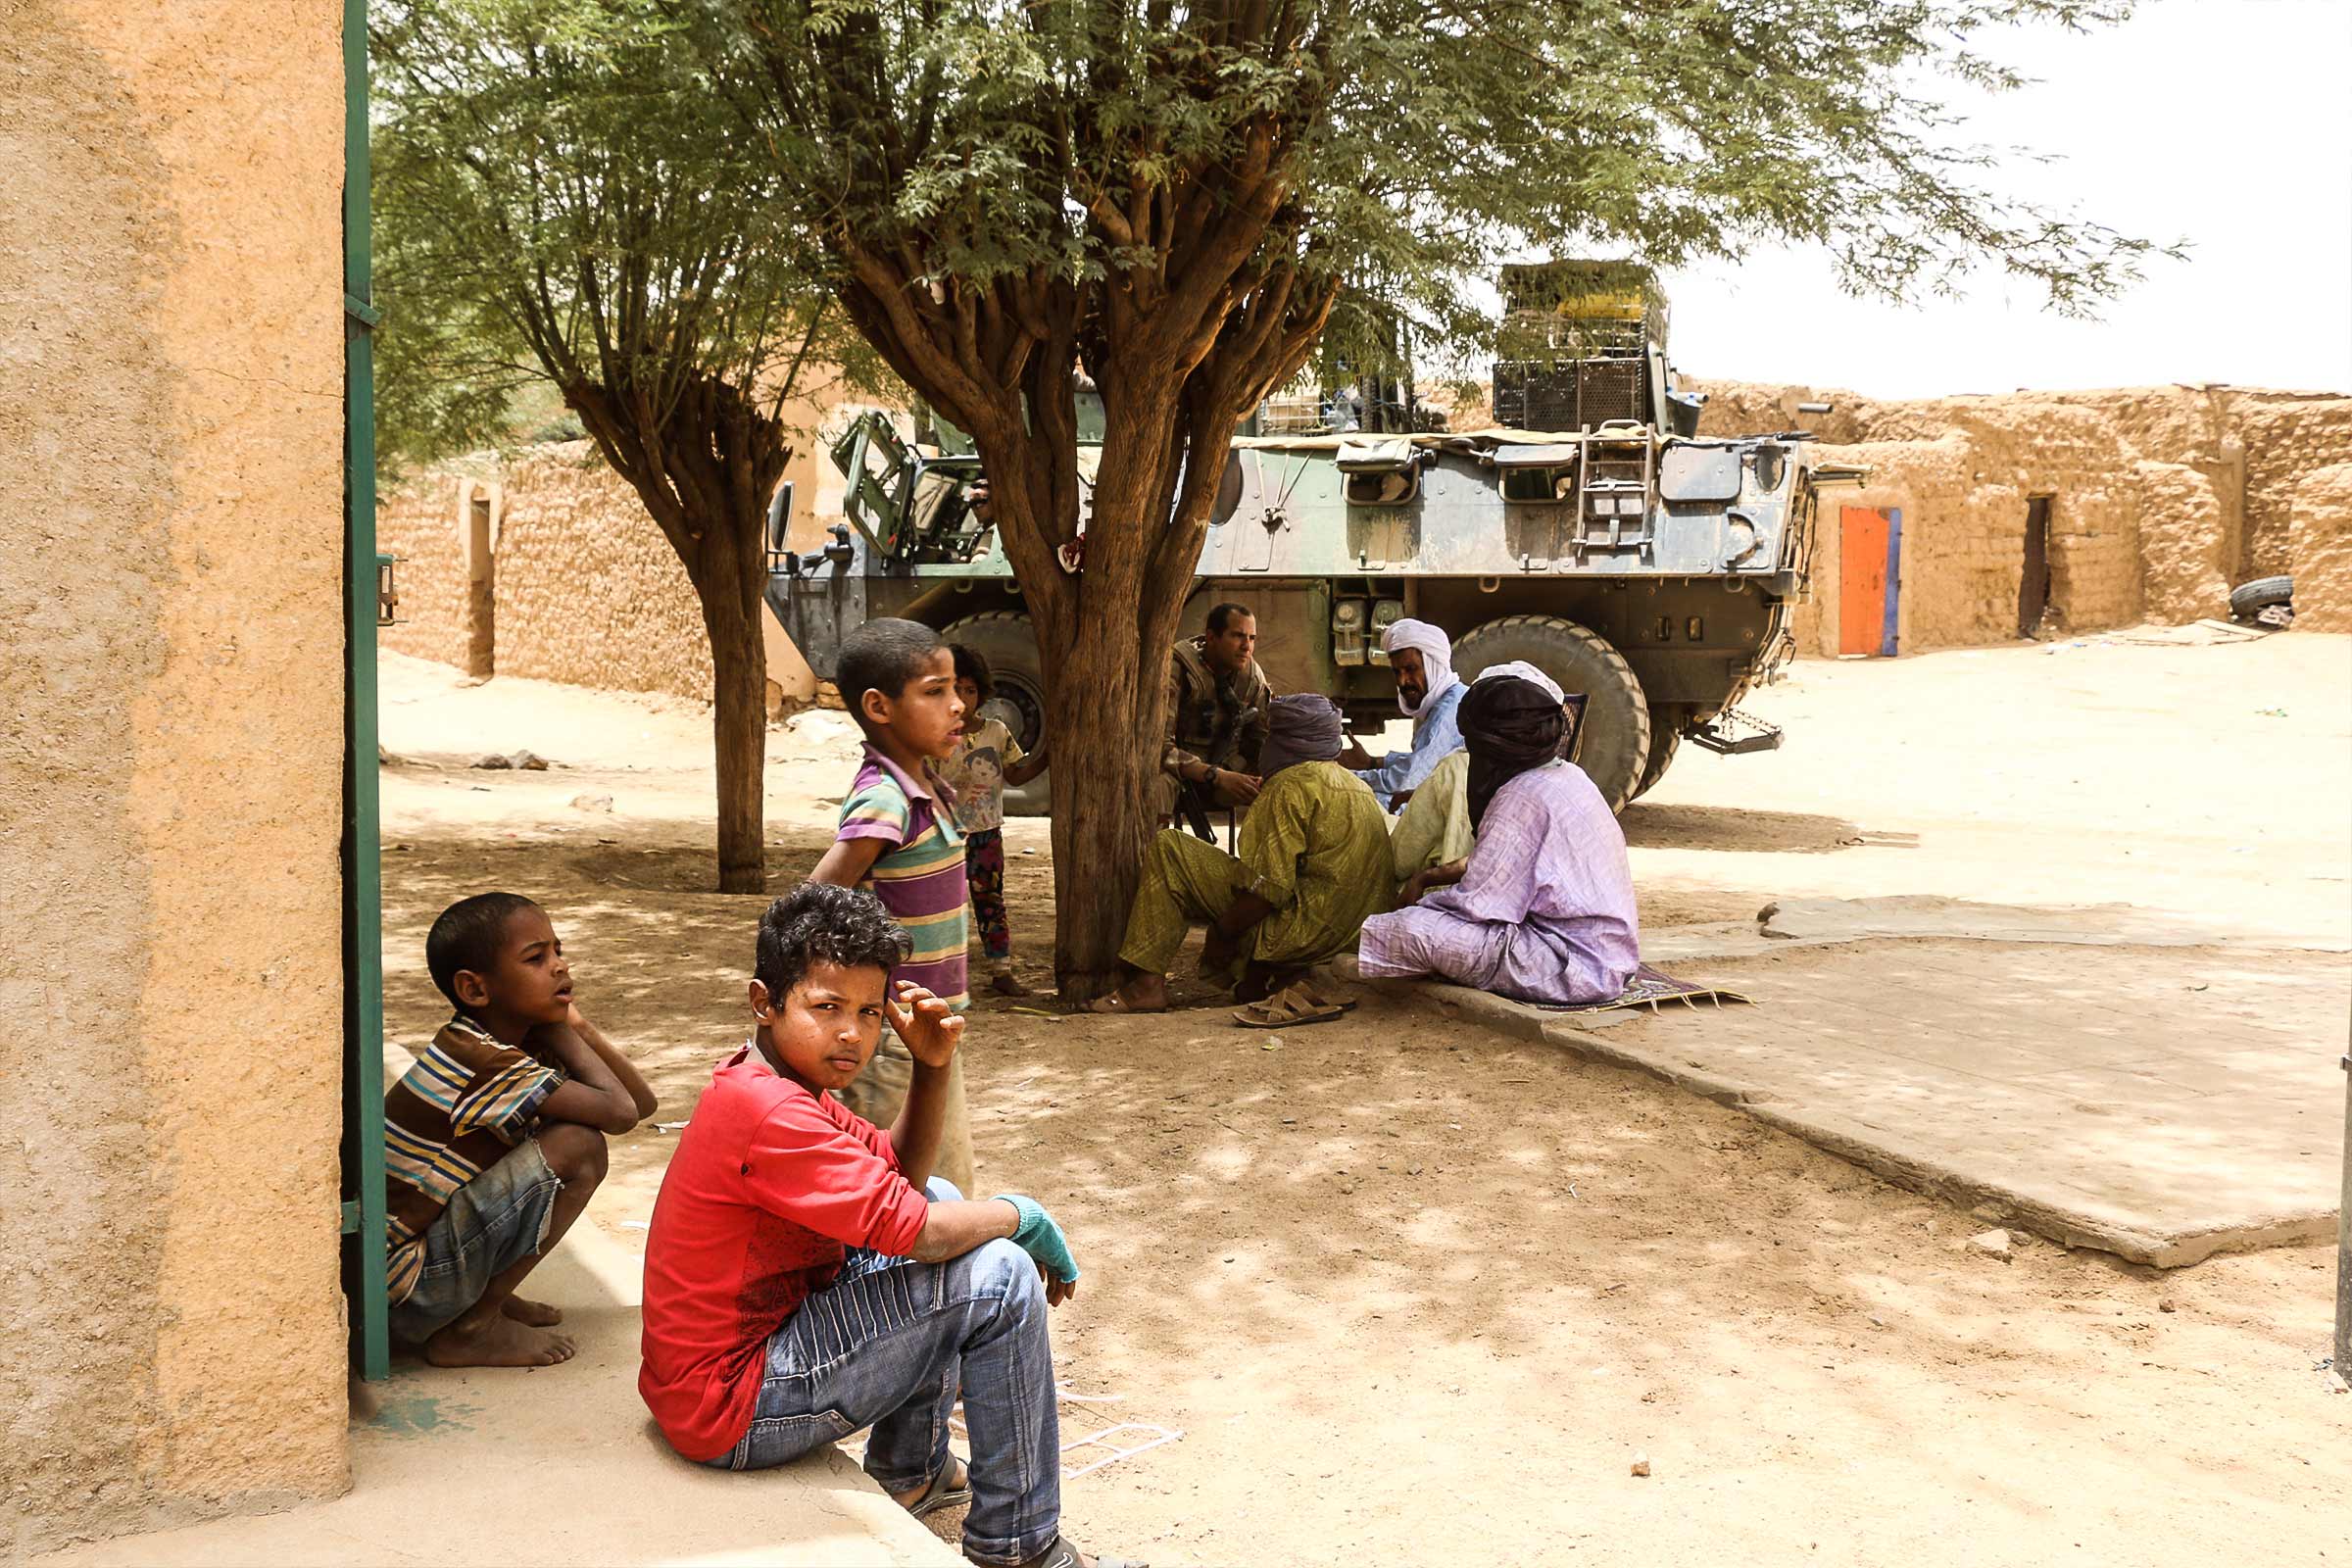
point(1432, 1315)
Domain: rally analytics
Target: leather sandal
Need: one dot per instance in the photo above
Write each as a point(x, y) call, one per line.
point(1295, 1005)
point(951, 1487)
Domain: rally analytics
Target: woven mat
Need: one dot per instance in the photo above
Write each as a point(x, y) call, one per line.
point(1655, 989)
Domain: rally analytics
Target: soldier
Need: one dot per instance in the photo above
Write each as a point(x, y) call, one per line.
point(1217, 702)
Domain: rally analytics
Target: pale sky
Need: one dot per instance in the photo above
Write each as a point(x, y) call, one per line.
point(2223, 122)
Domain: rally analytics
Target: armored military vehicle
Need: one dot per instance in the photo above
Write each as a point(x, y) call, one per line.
point(1591, 532)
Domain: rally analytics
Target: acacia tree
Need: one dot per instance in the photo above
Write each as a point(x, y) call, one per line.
point(562, 198)
point(1182, 199)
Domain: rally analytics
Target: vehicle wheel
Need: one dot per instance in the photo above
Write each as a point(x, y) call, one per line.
point(1616, 743)
point(1004, 638)
point(2260, 594)
point(1665, 739)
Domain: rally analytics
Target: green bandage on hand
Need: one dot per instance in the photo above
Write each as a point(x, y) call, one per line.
point(1041, 1237)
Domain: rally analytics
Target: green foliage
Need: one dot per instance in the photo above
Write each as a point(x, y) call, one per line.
point(1422, 142)
point(560, 200)
point(563, 202)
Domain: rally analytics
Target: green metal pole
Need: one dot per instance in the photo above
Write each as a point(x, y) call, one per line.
point(362, 872)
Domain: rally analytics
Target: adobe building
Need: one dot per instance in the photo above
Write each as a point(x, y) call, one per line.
point(171, 983)
point(543, 563)
point(2049, 513)
point(2056, 513)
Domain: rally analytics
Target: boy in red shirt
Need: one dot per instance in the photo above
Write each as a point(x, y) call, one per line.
point(804, 1276)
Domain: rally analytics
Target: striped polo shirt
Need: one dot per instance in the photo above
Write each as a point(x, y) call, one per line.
point(920, 878)
point(468, 1101)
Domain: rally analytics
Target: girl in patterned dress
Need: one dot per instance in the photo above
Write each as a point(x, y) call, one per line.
point(987, 758)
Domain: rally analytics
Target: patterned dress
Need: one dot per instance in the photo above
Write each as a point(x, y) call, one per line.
point(975, 774)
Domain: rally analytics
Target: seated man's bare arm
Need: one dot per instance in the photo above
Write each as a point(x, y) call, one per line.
point(1431, 879)
point(1224, 938)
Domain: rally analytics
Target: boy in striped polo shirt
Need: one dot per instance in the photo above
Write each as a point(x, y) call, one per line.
point(495, 1140)
point(899, 840)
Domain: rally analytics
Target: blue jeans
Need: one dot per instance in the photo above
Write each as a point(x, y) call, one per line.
point(490, 1224)
point(888, 1345)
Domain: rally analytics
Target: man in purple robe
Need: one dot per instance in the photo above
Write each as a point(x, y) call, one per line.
point(1543, 907)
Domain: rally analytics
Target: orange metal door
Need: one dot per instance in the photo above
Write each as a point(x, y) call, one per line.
point(1861, 580)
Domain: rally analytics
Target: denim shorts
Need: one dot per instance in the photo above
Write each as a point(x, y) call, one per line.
point(491, 1224)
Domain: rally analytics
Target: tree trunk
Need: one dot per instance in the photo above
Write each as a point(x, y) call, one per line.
point(731, 615)
point(705, 474)
point(1106, 659)
point(1102, 702)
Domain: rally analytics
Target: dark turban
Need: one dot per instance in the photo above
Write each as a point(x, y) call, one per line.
point(1303, 728)
point(1509, 725)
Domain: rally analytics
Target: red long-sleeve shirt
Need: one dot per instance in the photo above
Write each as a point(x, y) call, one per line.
point(769, 1185)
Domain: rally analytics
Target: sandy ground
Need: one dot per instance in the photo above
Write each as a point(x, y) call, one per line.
point(1415, 1293)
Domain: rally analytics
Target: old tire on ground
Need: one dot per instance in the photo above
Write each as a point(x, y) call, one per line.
point(2260, 594)
point(1665, 739)
point(1616, 744)
point(1004, 638)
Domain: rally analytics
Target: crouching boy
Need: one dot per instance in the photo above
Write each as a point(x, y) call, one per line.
point(495, 1139)
point(804, 1276)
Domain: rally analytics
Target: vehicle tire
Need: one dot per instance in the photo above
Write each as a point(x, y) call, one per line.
point(1005, 639)
point(2260, 594)
point(1665, 739)
point(1616, 743)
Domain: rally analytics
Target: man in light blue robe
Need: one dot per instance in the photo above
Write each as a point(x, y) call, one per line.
point(1427, 692)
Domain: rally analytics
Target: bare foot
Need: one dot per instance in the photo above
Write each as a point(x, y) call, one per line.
point(1124, 999)
point(536, 1314)
point(1007, 984)
point(499, 1341)
point(1144, 993)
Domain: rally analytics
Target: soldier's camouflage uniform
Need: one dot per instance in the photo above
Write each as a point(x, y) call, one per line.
point(1212, 719)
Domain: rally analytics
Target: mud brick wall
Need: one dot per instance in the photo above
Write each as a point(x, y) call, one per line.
point(2190, 536)
point(589, 591)
point(2287, 439)
point(2320, 547)
point(422, 523)
point(172, 340)
point(584, 589)
point(2162, 498)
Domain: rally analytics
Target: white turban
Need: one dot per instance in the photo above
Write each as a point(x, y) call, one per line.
point(1437, 658)
point(1522, 671)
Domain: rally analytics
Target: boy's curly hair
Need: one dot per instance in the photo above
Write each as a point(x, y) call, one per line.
point(972, 665)
point(820, 923)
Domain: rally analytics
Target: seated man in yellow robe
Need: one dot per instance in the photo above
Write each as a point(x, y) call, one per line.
point(1432, 828)
point(1313, 866)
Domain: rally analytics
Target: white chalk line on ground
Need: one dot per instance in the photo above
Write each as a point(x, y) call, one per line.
point(1158, 1435)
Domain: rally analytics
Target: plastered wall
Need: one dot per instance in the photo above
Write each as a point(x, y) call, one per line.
point(2161, 500)
point(171, 755)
